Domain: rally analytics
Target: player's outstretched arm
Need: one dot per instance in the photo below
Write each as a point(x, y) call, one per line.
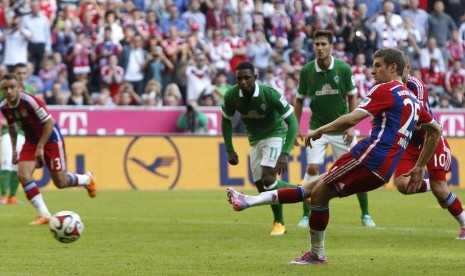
point(340, 124)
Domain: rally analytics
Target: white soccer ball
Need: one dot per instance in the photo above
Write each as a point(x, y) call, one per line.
point(66, 226)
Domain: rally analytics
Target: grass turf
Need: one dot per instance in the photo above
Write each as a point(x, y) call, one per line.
point(198, 233)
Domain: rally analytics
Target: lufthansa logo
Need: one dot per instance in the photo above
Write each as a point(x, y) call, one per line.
point(152, 163)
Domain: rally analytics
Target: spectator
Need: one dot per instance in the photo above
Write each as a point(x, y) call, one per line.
point(408, 29)
point(238, 46)
point(41, 39)
point(48, 73)
point(296, 57)
point(106, 48)
point(290, 88)
point(193, 15)
point(79, 95)
point(152, 23)
point(79, 56)
point(139, 24)
point(280, 24)
point(33, 80)
point(112, 75)
point(444, 101)
point(220, 52)
point(419, 18)
point(199, 77)
point(152, 95)
point(172, 96)
point(413, 52)
point(52, 96)
point(359, 73)
point(15, 39)
point(127, 96)
point(112, 22)
point(433, 77)
point(362, 39)
point(192, 121)
point(221, 86)
point(454, 80)
point(455, 48)
point(440, 24)
point(133, 61)
point(174, 20)
point(259, 51)
point(216, 16)
point(158, 66)
point(432, 51)
point(104, 98)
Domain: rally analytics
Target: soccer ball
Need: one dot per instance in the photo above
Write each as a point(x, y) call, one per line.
point(66, 226)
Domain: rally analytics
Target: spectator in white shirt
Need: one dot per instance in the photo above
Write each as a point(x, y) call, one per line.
point(16, 39)
point(431, 51)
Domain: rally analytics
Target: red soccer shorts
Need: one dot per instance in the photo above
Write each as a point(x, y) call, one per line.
point(438, 166)
point(347, 177)
point(54, 155)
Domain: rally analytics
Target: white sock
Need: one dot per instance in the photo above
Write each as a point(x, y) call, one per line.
point(39, 203)
point(307, 177)
point(461, 219)
point(428, 186)
point(317, 240)
point(265, 198)
point(82, 179)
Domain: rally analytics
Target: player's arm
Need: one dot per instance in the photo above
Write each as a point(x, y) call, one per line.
point(13, 132)
point(298, 104)
point(226, 129)
point(46, 133)
point(340, 124)
point(433, 134)
point(291, 135)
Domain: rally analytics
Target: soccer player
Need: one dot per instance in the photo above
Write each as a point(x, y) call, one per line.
point(44, 145)
point(371, 162)
point(8, 170)
point(329, 83)
point(262, 110)
point(438, 166)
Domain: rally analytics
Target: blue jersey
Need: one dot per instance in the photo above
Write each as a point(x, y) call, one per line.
point(395, 111)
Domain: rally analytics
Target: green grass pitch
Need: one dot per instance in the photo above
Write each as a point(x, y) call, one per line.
point(198, 233)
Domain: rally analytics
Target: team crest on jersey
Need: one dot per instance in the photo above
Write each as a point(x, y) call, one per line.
point(336, 79)
point(263, 106)
point(16, 113)
point(24, 113)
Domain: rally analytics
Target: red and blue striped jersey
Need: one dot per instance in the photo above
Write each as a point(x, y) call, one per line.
point(395, 111)
point(30, 114)
point(419, 89)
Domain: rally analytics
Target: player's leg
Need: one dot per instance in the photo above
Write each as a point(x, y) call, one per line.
point(257, 153)
point(340, 147)
point(315, 157)
point(356, 179)
point(406, 163)
point(13, 177)
point(26, 167)
point(55, 161)
point(438, 166)
point(5, 165)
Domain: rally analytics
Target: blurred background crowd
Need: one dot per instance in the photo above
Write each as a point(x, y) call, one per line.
point(184, 52)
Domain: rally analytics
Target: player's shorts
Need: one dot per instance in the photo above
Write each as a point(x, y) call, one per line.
point(438, 166)
point(54, 155)
point(264, 153)
point(7, 152)
point(347, 177)
point(316, 154)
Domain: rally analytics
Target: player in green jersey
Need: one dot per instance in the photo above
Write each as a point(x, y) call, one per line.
point(262, 110)
point(329, 84)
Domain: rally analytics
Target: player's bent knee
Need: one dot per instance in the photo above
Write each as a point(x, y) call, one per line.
point(313, 169)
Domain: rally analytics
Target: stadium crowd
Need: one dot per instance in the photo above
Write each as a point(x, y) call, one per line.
point(182, 52)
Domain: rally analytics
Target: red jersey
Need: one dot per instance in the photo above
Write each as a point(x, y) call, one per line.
point(395, 112)
point(431, 77)
point(455, 78)
point(30, 114)
point(236, 43)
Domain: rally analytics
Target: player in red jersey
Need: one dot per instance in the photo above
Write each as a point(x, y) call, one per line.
point(438, 166)
point(44, 145)
point(371, 162)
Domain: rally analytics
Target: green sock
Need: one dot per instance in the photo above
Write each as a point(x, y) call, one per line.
point(14, 183)
point(278, 213)
point(4, 182)
point(305, 207)
point(363, 201)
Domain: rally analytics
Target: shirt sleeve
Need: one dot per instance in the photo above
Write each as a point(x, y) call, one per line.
point(377, 101)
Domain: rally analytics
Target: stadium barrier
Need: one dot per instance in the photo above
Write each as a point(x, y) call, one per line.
point(97, 120)
point(183, 162)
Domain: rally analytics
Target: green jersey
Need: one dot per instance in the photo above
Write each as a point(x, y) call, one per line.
point(263, 115)
point(327, 90)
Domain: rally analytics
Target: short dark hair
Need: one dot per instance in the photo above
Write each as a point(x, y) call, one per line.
point(9, 77)
point(391, 56)
point(246, 65)
point(19, 65)
point(324, 33)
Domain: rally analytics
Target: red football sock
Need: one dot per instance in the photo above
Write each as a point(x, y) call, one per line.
point(290, 195)
point(319, 217)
